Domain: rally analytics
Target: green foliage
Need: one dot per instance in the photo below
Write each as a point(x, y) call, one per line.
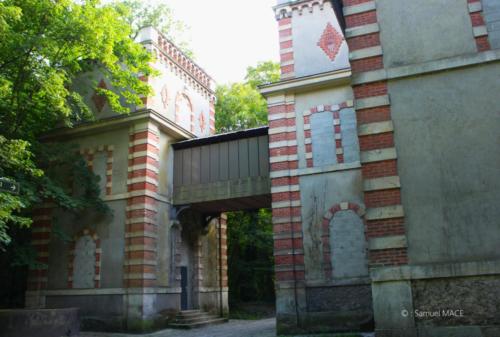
point(44, 46)
point(250, 256)
point(263, 73)
point(239, 105)
point(140, 14)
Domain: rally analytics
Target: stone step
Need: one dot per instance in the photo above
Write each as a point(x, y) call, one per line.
point(196, 319)
point(189, 311)
point(212, 321)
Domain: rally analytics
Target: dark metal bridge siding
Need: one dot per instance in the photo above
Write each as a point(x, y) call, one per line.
point(233, 162)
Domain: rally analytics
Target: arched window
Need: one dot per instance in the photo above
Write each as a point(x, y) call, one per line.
point(183, 111)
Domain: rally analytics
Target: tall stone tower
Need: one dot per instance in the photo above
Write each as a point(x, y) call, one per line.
point(321, 258)
point(381, 136)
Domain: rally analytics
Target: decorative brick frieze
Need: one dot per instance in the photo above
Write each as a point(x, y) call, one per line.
point(175, 58)
point(141, 211)
point(286, 11)
point(478, 25)
point(97, 257)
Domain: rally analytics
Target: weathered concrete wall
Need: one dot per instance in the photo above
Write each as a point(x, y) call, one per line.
point(491, 13)
point(308, 28)
point(98, 312)
point(110, 231)
point(317, 197)
point(40, 323)
point(448, 157)
point(435, 29)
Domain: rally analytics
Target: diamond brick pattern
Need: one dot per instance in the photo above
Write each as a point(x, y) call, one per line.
point(330, 42)
point(99, 99)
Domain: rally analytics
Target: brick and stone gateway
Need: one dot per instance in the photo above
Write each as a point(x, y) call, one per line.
point(366, 164)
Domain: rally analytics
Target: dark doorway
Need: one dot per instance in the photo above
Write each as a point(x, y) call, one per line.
point(250, 264)
point(184, 288)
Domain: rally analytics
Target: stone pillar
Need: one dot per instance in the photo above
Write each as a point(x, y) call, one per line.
point(286, 210)
point(140, 265)
point(222, 277)
point(385, 218)
point(40, 239)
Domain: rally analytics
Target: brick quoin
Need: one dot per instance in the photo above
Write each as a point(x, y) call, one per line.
point(378, 141)
point(386, 168)
point(287, 69)
point(287, 243)
point(367, 64)
point(364, 41)
point(285, 196)
point(144, 147)
point(289, 275)
point(288, 259)
point(145, 255)
point(282, 122)
point(286, 212)
point(370, 90)
point(286, 32)
point(361, 19)
point(140, 269)
point(143, 173)
point(284, 165)
point(287, 228)
point(286, 44)
point(284, 21)
point(140, 283)
point(371, 115)
point(383, 198)
point(477, 19)
point(278, 137)
point(286, 57)
point(147, 241)
point(141, 213)
point(482, 43)
point(145, 135)
point(384, 227)
point(142, 227)
point(388, 257)
point(285, 181)
point(283, 151)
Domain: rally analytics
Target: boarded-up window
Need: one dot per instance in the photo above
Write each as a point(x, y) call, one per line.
point(323, 139)
point(348, 245)
point(84, 263)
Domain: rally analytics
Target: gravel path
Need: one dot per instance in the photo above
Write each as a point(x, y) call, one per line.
point(234, 328)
